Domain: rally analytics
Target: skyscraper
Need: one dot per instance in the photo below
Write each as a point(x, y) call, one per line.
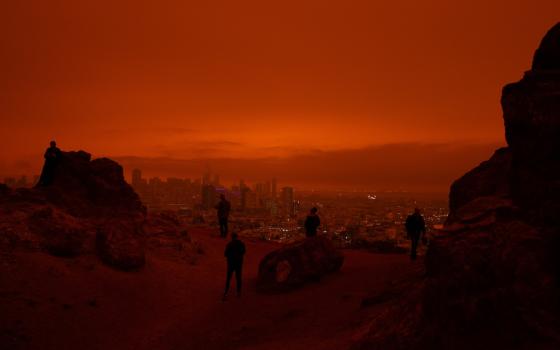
point(273, 188)
point(136, 177)
point(208, 196)
point(288, 201)
point(244, 191)
point(206, 178)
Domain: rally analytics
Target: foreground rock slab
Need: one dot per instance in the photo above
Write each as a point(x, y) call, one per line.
point(299, 263)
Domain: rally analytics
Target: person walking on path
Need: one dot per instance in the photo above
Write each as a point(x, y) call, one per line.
point(415, 229)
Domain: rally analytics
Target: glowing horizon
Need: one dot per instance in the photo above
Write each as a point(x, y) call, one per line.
point(248, 80)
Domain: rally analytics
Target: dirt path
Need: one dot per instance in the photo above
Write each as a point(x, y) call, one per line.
point(53, 303)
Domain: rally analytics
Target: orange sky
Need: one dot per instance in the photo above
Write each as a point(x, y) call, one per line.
point(248, 79)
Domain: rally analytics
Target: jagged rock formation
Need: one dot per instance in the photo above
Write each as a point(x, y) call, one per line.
point(88, 208)
point(493, 275)
point(91, 188)
point(297, 264)
point(547, 56)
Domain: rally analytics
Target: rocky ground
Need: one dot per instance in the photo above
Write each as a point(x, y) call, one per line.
point(83, 265)
point(174, 302)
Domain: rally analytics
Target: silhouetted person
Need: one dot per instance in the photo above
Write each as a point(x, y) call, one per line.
point(415, 229)
point(235, 250)
point(312, 222)
point(223, 207)
point(52, 156)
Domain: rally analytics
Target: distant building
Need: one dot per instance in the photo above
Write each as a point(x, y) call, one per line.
point(273, 185)
point(288, 201)
point(244, 193)
point(136, 177)
point(206, 178)
point(271, 207)
point(208, 197)
point(267, 189)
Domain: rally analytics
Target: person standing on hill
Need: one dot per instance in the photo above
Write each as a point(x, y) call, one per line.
point(223, 208)
point(52, 156)
point(312, 222)
point(415, 229)
point(234, 253)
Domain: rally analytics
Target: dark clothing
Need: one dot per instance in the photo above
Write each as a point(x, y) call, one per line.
point(230, 270)
point(415, 228)
point(235, 250)
point(311, 224)
point(223, 208)
point(52, 156)
point(414, 246)
point(223, 227)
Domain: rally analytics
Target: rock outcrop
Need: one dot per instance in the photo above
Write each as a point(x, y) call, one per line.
point(91, 188)
point(493, 275)
point(88, 208)
point(298, 263)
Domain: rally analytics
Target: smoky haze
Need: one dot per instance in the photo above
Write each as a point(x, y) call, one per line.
point(412, 167)
point(337, 93)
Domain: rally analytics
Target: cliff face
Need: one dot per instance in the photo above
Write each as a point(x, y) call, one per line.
point(498, 261)
point(88, 208)
point(528, 170)
point(493, 275)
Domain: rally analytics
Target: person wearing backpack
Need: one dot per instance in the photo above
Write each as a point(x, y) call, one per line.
point(312, 222)
point(415, 230)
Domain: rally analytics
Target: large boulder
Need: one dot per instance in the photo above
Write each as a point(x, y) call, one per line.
point(91, 188)
point(297, 264)
point(88, 208)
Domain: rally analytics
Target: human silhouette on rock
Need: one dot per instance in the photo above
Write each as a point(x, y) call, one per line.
point(234, 253)
point(52, 157)
point(223, 208)
point(312, 222)
point(415, 229)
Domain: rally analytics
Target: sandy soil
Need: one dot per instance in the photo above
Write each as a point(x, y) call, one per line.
point(56, 303)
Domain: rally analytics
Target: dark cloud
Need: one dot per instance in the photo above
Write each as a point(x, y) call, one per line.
point(156, 131)
point(395, 166)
